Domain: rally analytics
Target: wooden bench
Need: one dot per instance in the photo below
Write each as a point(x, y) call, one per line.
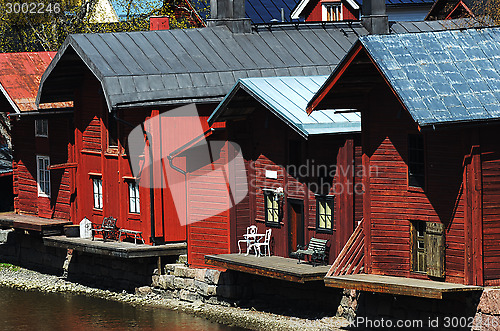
point(316, 249)
point(107, 229)
point(135, 234)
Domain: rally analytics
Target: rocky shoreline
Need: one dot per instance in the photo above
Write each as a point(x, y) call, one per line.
point(28, 280)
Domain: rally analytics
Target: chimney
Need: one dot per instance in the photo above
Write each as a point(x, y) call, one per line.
point(230, 13)
point(374, 16)
point(158, 23)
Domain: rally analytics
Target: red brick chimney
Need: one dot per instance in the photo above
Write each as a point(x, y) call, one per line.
point(158, 23)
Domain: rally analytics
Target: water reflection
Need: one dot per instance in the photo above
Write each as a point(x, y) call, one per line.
point(38, 311)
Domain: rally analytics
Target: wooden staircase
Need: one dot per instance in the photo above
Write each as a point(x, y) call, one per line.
point(351, 259)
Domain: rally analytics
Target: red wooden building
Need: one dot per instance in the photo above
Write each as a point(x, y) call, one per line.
point(430, 105)
point(20, 75)
point(348, 10)
point(117, 81)
point(313, 159)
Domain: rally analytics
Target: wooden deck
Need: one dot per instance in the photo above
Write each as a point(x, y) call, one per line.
point(123, 250)
point(397, 285)
point(45, 226)
point(269, 266)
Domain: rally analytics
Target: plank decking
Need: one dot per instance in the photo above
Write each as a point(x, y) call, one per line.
point(124, 250)
point(397, 285)
point(44, 226)
point(269, 266)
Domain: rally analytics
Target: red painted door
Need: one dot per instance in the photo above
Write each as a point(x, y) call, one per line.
point(295, 224)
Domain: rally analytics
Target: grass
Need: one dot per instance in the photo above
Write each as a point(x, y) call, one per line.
point(9, 266)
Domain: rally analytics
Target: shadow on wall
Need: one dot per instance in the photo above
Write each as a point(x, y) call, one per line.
point(6, 194)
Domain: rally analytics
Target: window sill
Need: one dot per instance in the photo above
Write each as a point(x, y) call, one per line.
point(274, 225)
point(325, 231)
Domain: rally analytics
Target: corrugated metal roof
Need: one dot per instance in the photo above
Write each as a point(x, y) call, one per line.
point(442, 77)
point(192, 65)
point(20, 75)
point(287, 97)
point(263, 11)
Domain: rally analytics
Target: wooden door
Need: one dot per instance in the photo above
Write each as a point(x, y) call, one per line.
point(295, 224)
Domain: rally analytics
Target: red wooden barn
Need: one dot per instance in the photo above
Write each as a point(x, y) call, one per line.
point(430, 106)
point(117, 81)
point(314, 159)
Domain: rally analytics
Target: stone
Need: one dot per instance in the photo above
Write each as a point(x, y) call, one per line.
point(489, 303)
point(143, 290)
point(190, 273)
point(155, 281)
point(205, 289)
point(189, 296)
point(217, 301)
point(184, 284)
point(4, 235)
point(180, 271)
point(200, 274)
point(212, 276)
point(182, 259)
point(169, 268)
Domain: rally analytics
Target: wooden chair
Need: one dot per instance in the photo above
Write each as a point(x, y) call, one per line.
point(316, 249)
point(249, 240)
point(107, 229)
point(266, 244)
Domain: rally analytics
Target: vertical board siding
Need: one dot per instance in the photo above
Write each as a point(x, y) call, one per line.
point(490, 157)
point(393, 205)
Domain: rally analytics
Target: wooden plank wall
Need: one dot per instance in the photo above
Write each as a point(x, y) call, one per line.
point(391, 204)
point(254, 134)
point(490, 157)
point(26, 147)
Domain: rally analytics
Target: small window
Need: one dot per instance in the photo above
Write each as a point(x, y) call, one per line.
point(41, 128)
point(133, 195)
point(324, 213)
point(419, 261)
point(271, 208)
point(112, 131)
point(97, 184)
point(416, 164)
point(332, 12)
point(43, 175)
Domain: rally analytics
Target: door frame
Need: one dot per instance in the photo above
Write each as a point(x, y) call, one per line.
point(289, 202)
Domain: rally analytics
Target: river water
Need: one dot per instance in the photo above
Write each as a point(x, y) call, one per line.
point(21, 310)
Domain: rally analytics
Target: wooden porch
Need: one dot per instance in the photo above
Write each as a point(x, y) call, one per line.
point(397, 285)
point(123, 250)
point(44, 226)
point(269, 266)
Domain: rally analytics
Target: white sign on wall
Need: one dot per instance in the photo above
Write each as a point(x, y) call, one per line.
point(271, 174)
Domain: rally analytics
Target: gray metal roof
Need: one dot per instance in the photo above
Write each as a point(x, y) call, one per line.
point(192, 65)
point(287, 97)
point(429, 26)
point(442, 77)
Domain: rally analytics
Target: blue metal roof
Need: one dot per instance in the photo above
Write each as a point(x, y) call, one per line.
point(287, 98)
point(442, 77)
point(263, 11)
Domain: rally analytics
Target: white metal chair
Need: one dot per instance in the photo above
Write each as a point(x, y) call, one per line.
point(257, 245)
point(249, 239)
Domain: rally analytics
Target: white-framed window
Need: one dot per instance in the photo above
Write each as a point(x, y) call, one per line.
point(133, 197)
point(324, 213)
point(332, 11)
point(97, 189)
point(43, 175)
point(42, 128)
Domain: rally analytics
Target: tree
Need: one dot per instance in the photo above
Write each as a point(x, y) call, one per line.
point(27, 25)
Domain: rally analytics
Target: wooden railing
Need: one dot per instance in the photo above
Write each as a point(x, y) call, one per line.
point(351, 259)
